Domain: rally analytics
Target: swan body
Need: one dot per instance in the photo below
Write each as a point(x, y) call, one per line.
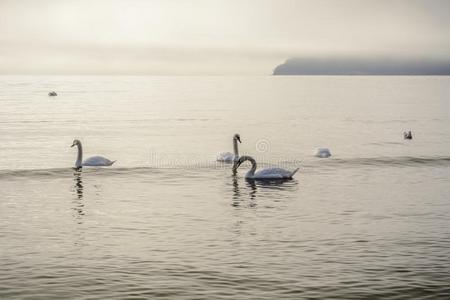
point(52, 94)
point(229, 157)
point(272, 173)
point(94, 161)
point(323, 153)
point(264, 174)
point(97, 161)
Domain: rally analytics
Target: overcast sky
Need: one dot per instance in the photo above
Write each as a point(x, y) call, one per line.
point(211, 36)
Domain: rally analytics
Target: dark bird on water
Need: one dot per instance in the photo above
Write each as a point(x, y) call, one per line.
point(407, 135)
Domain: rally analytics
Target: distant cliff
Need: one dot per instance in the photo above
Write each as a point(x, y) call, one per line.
point(360, 66)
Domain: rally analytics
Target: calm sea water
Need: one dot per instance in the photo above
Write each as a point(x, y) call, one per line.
point(168, 222)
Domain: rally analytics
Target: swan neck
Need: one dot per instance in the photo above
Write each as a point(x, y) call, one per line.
point(79, 161)
point(235, 148)
point(253, 169)
point(253, 162)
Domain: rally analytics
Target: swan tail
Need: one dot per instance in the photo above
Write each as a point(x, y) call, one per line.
point(112, 162)
point(295, 171)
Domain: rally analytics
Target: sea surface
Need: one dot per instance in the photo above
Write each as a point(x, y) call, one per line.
point(167, 221)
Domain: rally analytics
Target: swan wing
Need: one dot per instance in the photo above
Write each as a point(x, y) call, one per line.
point(225, 157)
point(97, 161)
point(274, 173)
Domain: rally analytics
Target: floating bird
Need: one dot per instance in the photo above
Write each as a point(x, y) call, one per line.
point(264, 174)
point(407, 135)
point(94, 161)
point(323, 153)
point(229, 157)
point(52, 94)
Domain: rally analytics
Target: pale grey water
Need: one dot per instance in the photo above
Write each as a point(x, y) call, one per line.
point(166, 221)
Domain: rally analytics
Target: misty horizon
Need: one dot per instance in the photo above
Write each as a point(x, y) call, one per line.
point(376, 65)
point(199, 37)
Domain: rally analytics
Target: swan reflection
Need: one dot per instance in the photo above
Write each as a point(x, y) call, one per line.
point(251, 184)
point(78, 205)
point(78, 184)
point(269, 189)
point(239, 197)
point(236, 192)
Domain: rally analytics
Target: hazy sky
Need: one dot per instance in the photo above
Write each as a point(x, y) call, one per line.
point(211, 36)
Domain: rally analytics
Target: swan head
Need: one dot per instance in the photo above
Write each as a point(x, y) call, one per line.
point(75, 143)
point(241, 159)
point(237, 137)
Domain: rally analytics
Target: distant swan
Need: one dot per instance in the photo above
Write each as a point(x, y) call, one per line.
point(269, 173)
point(94, 161)
point(323, 153)
point(229, 157)
point(53, 93)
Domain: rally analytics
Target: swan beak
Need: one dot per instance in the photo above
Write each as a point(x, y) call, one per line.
point(72, 145)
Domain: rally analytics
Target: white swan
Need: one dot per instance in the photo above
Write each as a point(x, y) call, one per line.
point(323, 153)
point(94, 161)
point(269, 173)
point(229, 157)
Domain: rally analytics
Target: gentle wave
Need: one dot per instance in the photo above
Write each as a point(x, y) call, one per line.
point(402, 161)
point(399, 161)
point(155, 120)
point(375, 162)
point(68, 172)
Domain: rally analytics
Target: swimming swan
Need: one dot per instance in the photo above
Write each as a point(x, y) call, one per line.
point(269, 173)
point(229, 157)
point(94, 161)
point(323, 153)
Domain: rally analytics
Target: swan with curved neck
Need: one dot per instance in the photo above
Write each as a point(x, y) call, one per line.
point(268, 173)
point(229, 157)
point(94, 161)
